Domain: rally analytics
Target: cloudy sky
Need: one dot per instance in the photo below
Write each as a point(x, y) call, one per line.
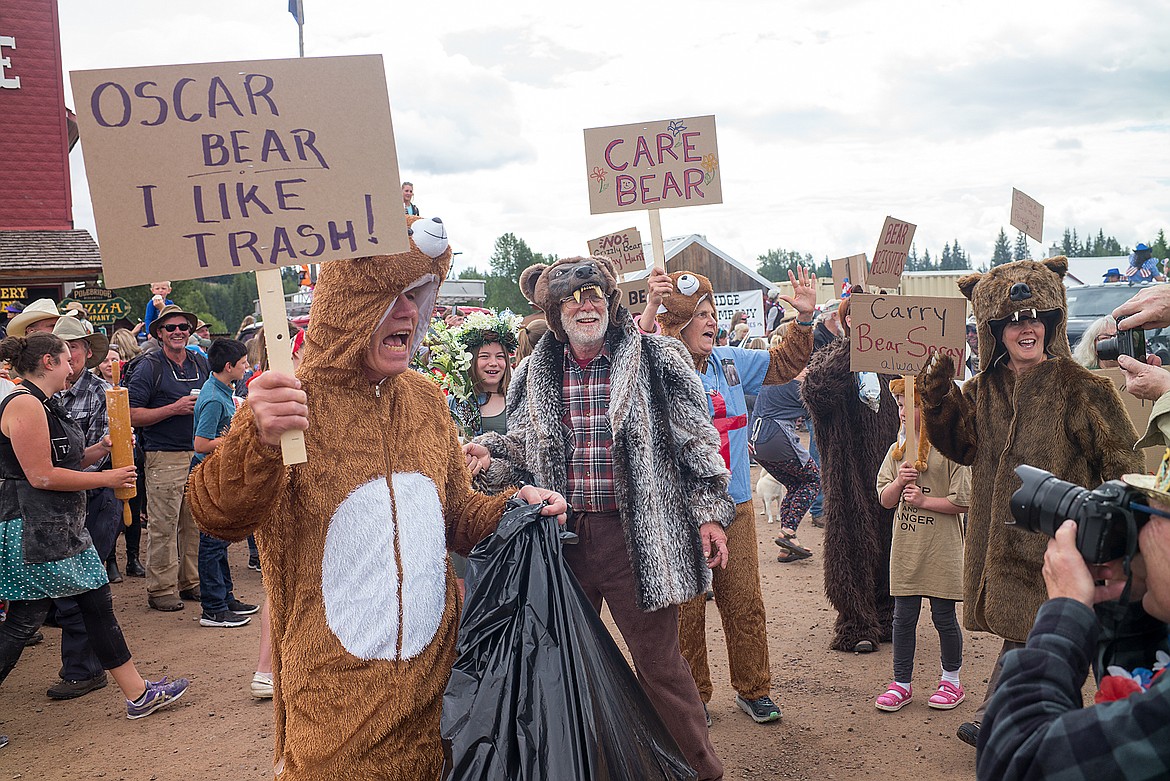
point(831, 114)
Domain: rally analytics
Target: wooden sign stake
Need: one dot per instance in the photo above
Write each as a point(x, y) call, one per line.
point(911, 432)
point(656, 241)
point(275, 317)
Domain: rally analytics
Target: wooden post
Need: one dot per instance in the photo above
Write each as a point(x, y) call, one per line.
point(911, 433)
point(656, 241)
point(275, 317)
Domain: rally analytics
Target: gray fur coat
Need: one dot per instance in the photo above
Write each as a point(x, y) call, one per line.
point(669, 474)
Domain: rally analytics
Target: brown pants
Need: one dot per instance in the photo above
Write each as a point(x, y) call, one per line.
point(741, 608)
point(602, 566)
point(172, 539)
point(993, 681)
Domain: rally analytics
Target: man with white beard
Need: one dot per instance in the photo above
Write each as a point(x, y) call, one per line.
point(617, 422)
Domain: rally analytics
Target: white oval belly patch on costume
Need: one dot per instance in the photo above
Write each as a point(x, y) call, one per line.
point(360, 579)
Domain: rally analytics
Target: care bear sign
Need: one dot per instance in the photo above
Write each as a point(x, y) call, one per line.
point(220, 168)
point(653, 165)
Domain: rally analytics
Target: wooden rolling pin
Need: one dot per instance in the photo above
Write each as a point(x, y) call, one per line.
point(121, 437)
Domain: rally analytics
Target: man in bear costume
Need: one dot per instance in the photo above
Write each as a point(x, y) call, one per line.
point(727, 373)
point(1031, 404)
point(853, 438)
point(355, 540)
point(617, 421)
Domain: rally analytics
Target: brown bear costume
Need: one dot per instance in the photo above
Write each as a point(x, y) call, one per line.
point(853, 441)
point(1057, 416)
point(355, 541)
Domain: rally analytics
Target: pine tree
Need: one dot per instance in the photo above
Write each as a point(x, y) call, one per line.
point(1021, 250)
point(913, 263)
point(960, 260)
point(944, 263)
point(1003, 250)
point(1160, 248)
point(927, 264)
point(1067, 245)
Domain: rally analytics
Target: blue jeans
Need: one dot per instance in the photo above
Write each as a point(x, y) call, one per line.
point(215, 577)
point(818, 505)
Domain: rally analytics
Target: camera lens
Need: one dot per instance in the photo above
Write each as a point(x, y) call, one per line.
point(1043, 502)
point(1107, 349)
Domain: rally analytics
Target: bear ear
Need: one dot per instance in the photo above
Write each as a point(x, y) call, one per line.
point(528, 279)
point(607, 266)
point(967, 284)
point(1058, 265)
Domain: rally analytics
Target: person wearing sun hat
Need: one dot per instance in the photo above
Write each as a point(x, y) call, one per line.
point(40, 315)
point(1035, 725)
point(687, 313)
point(163, 389)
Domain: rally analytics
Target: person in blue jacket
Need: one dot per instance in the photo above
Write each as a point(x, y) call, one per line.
point(683, 304)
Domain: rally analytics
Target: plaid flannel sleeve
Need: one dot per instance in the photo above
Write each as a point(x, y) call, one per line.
point(1036, 727)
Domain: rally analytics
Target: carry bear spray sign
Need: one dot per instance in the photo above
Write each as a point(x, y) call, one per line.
point(624, 248)
point(898, 334)
point(889, 259)
point(219, 168)
point(653, 165)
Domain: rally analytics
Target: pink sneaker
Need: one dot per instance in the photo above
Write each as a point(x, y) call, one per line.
point(948, 696)
point(894, 698)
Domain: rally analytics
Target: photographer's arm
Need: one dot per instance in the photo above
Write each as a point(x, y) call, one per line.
point(1035, 723)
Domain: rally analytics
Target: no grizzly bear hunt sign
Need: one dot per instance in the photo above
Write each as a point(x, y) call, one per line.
point(889, 259)
point(624, 248)
point(898, 334)
point(653, 165)
point(218, 168)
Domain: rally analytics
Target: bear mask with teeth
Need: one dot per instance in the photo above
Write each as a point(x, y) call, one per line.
point(547, 286)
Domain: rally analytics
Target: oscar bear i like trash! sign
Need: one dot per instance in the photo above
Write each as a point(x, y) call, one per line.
point(220, 168)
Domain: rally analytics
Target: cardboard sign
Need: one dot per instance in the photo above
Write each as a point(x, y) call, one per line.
point(897, 334)
point(889, 259)
point(849, 271)
point(750, 302)
point(218, 168)
point(634, 295)
point(1027, 215)
point(653, 165)
point(1139, 414)
point(624, 248)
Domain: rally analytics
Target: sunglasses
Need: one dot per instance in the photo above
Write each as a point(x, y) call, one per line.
point(588, 294)
point(170, 328)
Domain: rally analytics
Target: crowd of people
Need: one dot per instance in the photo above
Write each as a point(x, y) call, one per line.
point(636, 430)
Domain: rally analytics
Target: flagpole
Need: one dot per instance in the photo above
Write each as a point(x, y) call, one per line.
point(301, 28)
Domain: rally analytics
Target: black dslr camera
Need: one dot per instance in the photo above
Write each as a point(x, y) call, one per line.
point(1131, 343)
point(1107, 521)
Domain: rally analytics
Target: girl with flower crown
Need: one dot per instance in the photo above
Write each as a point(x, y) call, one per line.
point(490, 339)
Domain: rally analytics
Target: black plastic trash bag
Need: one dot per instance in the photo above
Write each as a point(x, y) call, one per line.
point(539, 691)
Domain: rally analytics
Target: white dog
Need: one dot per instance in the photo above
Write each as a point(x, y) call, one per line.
point(771, 492)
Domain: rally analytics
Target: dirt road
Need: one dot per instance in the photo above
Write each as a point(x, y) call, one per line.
point(830, 728)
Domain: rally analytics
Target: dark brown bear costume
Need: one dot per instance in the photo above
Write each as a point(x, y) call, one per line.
point(1057, 416)
point(853, 440)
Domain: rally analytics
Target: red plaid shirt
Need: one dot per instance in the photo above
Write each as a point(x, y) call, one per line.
point(585, 396)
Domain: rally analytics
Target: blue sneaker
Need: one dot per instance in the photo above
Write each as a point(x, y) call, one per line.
point(159, 694)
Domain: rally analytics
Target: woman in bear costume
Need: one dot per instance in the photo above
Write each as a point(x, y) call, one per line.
point(853, 439)
point(1053, 414)
point(355, 540)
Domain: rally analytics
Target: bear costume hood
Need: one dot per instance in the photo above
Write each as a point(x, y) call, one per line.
point(353, 296)
point(678, 309)
point(1006, 291)
point(547, 286)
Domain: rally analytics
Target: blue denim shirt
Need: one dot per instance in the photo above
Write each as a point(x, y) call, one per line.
point(733, 372)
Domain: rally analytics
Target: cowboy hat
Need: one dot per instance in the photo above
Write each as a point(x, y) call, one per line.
point(70, 329)
point(41, 309)
point(168, 311)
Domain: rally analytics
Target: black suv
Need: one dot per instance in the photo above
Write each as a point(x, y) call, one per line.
point(1086, 303)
